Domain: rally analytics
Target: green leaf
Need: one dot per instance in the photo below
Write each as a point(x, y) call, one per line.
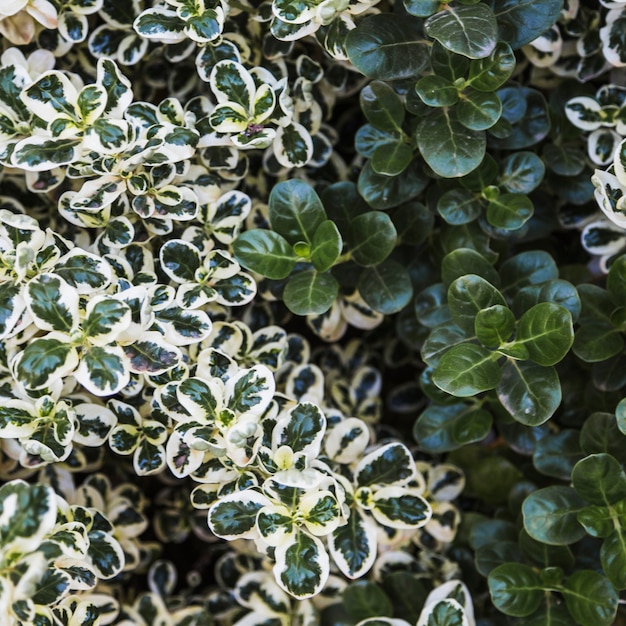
point(510, 211)
point(468, 295)
point(310, 292)
point(556, 454)
point(521, 21)
point(436, 91)
point(491, 72)
point(479, 110)
point(386, 287)
point(387, 46)
point(546, 332)
point(441, 428)
point(464, 261)
point(449, 147)
point(527, 268)
point(302, 566)
point(599, 479)
point(467, 30)
point(529, 392)
point(391, 159)
point(295, 210)
point(494, 325)
point(43, 361)
point(372, 237)
point(550, 515)
point(590, 598)
point(265, 252)
point(597, 341)
point(466, 370)
point(613, 557)
point(522, 172)
point(459, 206)
point(385, 192)
point(326, 246)
point(382, 106)
point(421, 8)
point(515, 589)
point(363, 599)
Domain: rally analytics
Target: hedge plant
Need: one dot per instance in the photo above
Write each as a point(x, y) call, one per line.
point(312, 312)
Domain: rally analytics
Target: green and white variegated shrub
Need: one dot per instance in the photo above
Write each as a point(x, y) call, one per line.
point(312, 312)
point(51, 550)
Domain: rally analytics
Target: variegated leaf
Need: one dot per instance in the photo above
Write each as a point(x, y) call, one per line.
point(609, 195)
point(39, 154)
point(105, 319)
point(202, 398)
point(152, 355)
point(302, 429)
point(231, 82)
point(103, 370)
point(354, 545)
point(105, 554)
point(95, 424)
point(250, 391)
point(302, 566)
point(149, 458)
point(181, 458)
point(43, 361)
point(234, 516)
point(584, 112)
point(293, 146)
point(52, 94)
point(52, 302)
point(398, 507)
point(27, 515)
point(12, 306)
point(391, 464)
point(276, 525)
point(347, 440)
point(84, 271)
point(160, 24)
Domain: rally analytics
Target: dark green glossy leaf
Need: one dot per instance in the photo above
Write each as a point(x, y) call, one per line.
point(599, 479)
point(467, 296)
point(546, 332)
point(385, 192)
point(494, 325)
point(530, 393)
point(466, 370)
point(364, 599)
point(515, 589)
point(296, 211)
point(489, 73)
point(441, 428)
point(467, 261)
point(326, 246)
point(459, 206)
point(521, 21)
point(556, 454)
point(382, 106)
point(387, 46)
point(613, 557)
point(265, 252)
point(447, 146)
point(372, 238)
point(479, 110)
point(522, 172)
point(590, 598)
point(550, 515)
point(467, 30)
point(310, 292)
point(391, 159)
point(436, 91)
point(386, 287)
point(510, 211)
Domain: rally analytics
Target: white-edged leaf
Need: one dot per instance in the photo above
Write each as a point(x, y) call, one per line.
point(105, 319)
point(52, 302)
point(302, 429)
point(250, 390)
point(43, 361)
point(52, 94)
point(41, 154)
point(391, 464)
point(346, 441)
point(95, 424)
point(398, 507)
point(103, 370)
point(354, 545)
point(302, 567)
point(234, 516)
point(152, 355)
